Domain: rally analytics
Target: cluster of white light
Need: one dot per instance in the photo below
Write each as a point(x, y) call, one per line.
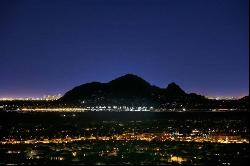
point(48, 97)
point(53, 109)
point(85, 109)
point(119, 108)
point(223, 97)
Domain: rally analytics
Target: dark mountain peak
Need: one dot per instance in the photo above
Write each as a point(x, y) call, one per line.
point(129, 75)
point(127, 89)
point(245, 98)
point(173, 84)
point(92, 83)
point(129, 79)
point(174, 88)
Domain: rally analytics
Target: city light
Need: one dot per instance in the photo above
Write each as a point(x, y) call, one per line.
point(224, 139)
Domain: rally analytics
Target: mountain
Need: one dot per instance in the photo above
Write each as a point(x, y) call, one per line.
point(129, 85)
point(127, 90)
point(174, 89)
point(244, 99)
point(173, 92)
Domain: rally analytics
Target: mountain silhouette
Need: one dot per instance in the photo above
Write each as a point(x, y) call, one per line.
point(128, 90)
point(174, 89)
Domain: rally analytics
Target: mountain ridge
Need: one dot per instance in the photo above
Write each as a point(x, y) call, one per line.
point(128, 89)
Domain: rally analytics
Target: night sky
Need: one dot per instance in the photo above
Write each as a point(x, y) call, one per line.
point(48, 47)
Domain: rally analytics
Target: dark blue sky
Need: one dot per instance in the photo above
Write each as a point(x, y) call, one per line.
point(48, 47)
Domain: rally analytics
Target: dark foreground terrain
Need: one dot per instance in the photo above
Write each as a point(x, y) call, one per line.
point(204, 138)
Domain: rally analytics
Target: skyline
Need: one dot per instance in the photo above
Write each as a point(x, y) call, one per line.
point(49, 47)
point(57, 96)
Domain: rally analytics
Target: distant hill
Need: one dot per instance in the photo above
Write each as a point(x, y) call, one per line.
point(128, 90)
point(131, 90)
point(245, 98)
